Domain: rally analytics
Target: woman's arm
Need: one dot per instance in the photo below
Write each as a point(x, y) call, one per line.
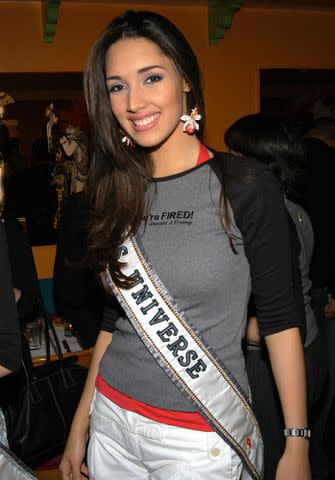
point(72, 461)
point(261, 216)
point(288, 366)
point(287, 362)
point(4, 371)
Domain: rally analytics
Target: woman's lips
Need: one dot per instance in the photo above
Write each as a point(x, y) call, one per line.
point(145, 123)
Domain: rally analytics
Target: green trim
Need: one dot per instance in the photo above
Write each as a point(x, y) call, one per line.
point(220, 17)
point(50, 13)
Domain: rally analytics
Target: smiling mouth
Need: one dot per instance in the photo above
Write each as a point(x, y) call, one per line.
point(145, 121)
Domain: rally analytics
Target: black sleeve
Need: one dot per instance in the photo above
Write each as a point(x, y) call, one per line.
point(260, 214)
point(10, 339)
point(296, 278)
point(112, 313)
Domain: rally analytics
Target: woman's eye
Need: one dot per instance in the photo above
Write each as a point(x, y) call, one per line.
point(115, 88)
point(153, 79)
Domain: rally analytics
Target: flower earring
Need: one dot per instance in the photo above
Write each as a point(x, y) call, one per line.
point(191, 121)
point(126, 140)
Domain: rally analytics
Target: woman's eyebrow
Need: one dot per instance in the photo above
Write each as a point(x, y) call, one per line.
point(150, 67)
point(141, 70)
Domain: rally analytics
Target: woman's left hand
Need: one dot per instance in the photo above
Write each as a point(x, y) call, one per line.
point(294, 463)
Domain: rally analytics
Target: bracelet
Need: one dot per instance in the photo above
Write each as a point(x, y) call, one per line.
point(297, 432)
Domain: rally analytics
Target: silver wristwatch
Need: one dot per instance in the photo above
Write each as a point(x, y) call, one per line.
point(297, 432)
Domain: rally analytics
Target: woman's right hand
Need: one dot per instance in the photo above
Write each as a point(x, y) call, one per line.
point(72, 465)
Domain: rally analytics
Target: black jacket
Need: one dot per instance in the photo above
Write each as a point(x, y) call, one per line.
point(10, 338)
point(318, 201)
point(24, 276)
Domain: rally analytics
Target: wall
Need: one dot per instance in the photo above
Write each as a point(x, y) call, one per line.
point(259, 38)
point(44, 258)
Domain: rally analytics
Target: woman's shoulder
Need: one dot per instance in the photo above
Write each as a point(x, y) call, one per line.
point(239, 165)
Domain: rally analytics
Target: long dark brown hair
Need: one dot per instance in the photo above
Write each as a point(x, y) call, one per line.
point(119, 174)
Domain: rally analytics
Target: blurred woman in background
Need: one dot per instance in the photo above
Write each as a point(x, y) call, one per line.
point(280, 147)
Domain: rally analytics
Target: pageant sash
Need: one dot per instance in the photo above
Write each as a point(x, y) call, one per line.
point(186, 358)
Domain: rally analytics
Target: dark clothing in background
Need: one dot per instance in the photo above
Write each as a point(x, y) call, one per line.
point(23, 270)
point(264, 392)
point(266, 403)
point(318, 201)
point(79, 297)
point(4, 139)
point(30, 194)
point(10, 337)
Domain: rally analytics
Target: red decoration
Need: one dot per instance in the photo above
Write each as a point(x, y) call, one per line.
point(76, 114)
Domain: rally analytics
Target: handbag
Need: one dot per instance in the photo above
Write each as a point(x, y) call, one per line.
point(41, 402)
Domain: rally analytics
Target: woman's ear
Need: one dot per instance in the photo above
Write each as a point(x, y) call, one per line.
point(186, 87)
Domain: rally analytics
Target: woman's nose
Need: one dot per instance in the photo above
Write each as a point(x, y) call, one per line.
point(135, 100)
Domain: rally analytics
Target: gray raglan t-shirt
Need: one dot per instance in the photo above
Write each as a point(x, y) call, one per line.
point(189, 249)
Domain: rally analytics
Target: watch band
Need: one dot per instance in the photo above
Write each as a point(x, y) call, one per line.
point(297, 432)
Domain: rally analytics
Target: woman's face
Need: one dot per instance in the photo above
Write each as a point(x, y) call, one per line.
point(146, 92)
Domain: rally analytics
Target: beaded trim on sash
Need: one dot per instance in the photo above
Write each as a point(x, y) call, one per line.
point(186, 358)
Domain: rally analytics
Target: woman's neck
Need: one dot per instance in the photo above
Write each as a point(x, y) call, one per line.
point(176, 155)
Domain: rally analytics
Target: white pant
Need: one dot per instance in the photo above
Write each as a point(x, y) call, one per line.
point(125, 446)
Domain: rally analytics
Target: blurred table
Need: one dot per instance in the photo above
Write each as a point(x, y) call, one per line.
point(39, 355)
point(49, 475)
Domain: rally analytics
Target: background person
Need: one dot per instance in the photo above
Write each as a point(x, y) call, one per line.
point(281, 148)
point(23, 271)
point(79, 296)
point(10, 339)
point(318, 200)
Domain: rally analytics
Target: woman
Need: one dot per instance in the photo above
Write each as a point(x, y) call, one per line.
point(151, 177)
point(10, 339)
point(78, 295)
point(24, 276)
point(281, 149)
